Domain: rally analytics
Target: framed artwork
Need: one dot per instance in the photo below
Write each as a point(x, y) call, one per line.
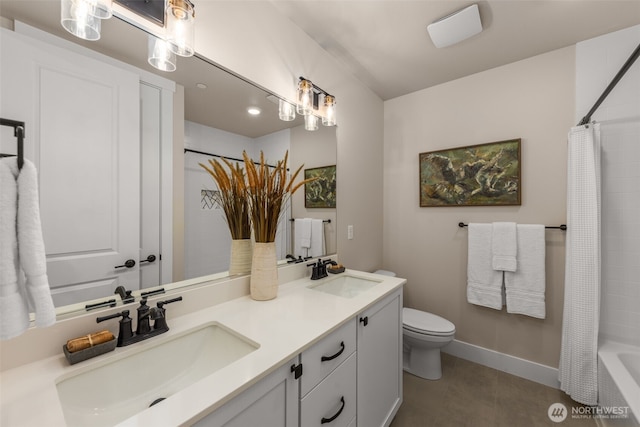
point(320, 193)
point(475, 175)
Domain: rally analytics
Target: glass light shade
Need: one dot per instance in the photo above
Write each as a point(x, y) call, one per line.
point(311, 122)
point(103, 9)
point(160, 55)
point(78, 17)
point(286, 111)
point(181, 27)
point(305, 97)
point(329, 118)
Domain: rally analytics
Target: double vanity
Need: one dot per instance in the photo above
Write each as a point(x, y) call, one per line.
point(324, 352)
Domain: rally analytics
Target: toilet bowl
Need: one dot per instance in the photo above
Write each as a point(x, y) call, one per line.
point(423, 335)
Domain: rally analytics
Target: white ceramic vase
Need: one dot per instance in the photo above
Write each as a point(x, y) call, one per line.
point(264, 272)
point(241, 254)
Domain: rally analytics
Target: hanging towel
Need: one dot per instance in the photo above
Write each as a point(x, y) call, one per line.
point(578, 370)
point(504, 246)
point(525, 287)
point(302, 233)
point(23, 277)
point(484, 284)
point(317, 238)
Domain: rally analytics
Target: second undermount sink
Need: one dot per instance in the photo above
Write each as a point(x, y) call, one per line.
point(110, 393)
point(345, 286)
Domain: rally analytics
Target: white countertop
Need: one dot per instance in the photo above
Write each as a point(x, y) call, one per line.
point(283, 327)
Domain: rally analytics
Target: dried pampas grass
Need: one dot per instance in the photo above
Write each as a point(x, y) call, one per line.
point(268, 190)
point(232, 196)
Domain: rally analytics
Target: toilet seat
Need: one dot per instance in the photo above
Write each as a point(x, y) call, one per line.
point(421, 322)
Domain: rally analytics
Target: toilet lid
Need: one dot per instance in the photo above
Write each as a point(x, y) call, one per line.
point(428, 323)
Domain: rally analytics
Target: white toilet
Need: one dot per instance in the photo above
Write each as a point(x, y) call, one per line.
point(424, 334)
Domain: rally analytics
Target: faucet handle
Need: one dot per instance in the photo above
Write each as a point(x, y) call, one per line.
point(161, 321)
point(126, 330)
point(160, 304)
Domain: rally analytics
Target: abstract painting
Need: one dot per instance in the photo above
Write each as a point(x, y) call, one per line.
point(475, 175)
point(320, 193)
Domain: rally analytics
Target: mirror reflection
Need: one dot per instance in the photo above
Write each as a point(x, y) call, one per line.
point(124, 203)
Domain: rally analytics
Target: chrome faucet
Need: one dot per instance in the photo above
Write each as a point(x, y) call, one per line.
point(144, 330)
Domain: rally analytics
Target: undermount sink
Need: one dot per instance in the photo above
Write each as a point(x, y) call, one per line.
point(118, 389)
point(345, 286)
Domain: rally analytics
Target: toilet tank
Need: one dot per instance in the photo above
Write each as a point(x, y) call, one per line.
point(385, 273)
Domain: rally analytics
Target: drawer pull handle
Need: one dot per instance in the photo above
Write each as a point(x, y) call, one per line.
point(328, 420)
point(326, 358)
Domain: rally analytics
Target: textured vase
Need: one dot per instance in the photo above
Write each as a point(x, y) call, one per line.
point(241, 254)
point(264, 272)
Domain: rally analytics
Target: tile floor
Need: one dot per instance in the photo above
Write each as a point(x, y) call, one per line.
point(473, 395)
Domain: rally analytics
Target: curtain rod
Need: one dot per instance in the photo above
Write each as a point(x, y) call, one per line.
point(328, 221)
point(613, 83)
point(189, 150)
point(562, 227)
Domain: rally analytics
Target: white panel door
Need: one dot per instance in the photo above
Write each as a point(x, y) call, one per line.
point(82, 132)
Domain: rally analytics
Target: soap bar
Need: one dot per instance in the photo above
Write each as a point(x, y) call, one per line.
point(89, 340)
point(336, 268)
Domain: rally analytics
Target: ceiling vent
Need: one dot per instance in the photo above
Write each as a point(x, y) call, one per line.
point(456, 27)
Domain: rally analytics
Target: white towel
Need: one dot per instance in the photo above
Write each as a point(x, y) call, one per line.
point(22, 252)
point(302, 233)
point(484, 284)
point(317, 238)
point(504, 246)
point(525, 287)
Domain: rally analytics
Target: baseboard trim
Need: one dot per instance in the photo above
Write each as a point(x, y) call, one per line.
point(504, 362)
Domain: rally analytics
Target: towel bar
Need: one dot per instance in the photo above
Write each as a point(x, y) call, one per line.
point(562, 227)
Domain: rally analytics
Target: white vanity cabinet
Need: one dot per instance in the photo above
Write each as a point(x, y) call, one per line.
point(272, 402)
point(352, 377)
point(328, 383)
point(380, 361)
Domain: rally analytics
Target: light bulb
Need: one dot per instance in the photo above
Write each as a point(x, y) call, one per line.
point(180, 27)
point(329, 118)
point(305, 97)
point(311, 122)
point(286, 111)
point(160, 56)
point(78, 18)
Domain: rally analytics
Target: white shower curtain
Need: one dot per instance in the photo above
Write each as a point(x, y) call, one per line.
point(579, 354)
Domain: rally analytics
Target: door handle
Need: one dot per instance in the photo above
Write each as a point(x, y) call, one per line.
point(149, 259)
point(128, 263)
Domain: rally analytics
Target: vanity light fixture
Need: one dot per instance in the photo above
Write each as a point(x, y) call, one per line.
point(83, 18)
point(308, 105)
point(160, 55)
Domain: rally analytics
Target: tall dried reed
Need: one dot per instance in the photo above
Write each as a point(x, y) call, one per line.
point(232, 196)
point(268, 190)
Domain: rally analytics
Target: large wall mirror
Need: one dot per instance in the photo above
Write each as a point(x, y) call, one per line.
point(130, 174)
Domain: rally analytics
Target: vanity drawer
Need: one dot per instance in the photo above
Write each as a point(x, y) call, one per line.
point(326, 355)
point(333, 400)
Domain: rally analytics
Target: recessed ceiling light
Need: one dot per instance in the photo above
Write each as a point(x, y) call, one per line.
point(201, 85)
point(254, 111)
